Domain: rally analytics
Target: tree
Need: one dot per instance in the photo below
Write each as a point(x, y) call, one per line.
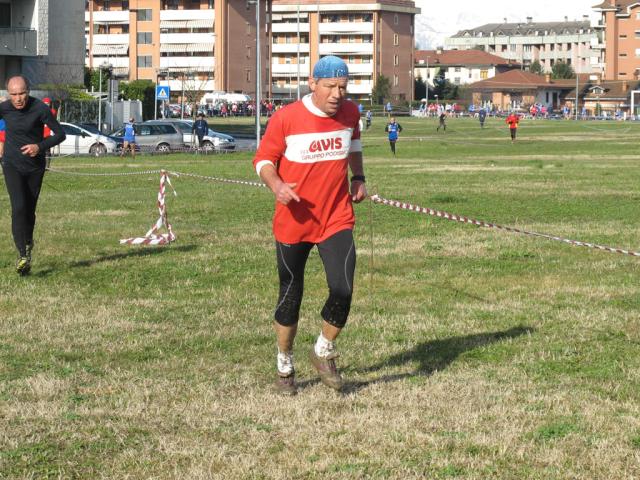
point(443, 88)
point(92, 79)
point(381, 89)
point(143, 90)
point(536, 68)
point(419, 88)
point(562, 70)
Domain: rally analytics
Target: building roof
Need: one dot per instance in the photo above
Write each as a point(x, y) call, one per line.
point(527, 29)
point(618, 4)
point(460, 58)
point(606, 91)
point(519, 80)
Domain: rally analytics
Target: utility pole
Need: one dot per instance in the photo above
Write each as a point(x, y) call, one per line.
point(258, 79)
point(298, 52)
point(577, 94)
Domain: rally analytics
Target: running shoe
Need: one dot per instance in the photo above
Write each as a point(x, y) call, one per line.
point(286, 385)
point(326, 367)
point(23, 266)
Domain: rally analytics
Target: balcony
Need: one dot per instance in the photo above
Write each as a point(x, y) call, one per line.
point(289, 48)
point(176, 86)
point(115, 62)
point(346, 27)
point(118, 17)
point(109, 39)
point(172, 15)
point(360, 68)
point(289, 27)
point(186, 38)
point(290, 69)
point(342, 48)
point(362, 88)
point(19, 42)
point(199, 64)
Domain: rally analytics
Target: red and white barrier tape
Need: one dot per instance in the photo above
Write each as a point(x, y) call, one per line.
point(152, 237)
point(480, 223)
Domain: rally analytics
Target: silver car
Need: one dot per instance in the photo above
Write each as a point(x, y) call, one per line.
point(155, 136)
point(212, 141)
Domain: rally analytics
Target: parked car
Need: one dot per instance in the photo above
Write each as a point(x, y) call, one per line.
point(212, 141)
point(159, 136)
point(81, 141)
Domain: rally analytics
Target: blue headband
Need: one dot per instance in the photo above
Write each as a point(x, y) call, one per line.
point(330, 67)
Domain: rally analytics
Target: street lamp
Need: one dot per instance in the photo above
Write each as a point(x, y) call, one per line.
point(104, 65)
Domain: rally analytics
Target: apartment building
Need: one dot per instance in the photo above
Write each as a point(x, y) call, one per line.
point(40, 41)
point(572, 42)
point(373, 38)
point(460, 67)
point(209, 45)
point(189, 45)
point(620, 39)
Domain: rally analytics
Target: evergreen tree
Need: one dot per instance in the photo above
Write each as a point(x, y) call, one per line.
point(536, 68)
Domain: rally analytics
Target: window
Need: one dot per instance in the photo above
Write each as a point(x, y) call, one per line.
point(248, 51)
point(396, 80)
point(456, 81)
point(248, 28)
point(145, 61)
point(106, 5)
point(484, 74)
point(144, 38)
point(248, 74)
point(396, 60)
point(512, 47)
point(637, 52)
point(395, 19)
point(144, 15)
point(527, 48)
point(637, 33)
point(396, 39)
point(623, 54)
point(125, 4)
point(458, 69)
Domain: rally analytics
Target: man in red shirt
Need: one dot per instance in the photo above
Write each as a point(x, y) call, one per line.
point(304, 159)
point(512, 120)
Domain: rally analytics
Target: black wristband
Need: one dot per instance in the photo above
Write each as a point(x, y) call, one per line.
point(357, 178)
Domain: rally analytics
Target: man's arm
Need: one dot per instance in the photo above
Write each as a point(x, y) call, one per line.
point(358, 187)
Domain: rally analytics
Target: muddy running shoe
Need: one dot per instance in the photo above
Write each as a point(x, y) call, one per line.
point(23, 266)
point(326, 367)
point(287, 385)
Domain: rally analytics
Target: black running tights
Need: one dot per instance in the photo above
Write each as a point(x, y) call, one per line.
point(24, 190)
point(338, 256)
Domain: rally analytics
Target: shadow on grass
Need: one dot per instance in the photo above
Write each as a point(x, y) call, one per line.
point(434, 355)
point(138, 252)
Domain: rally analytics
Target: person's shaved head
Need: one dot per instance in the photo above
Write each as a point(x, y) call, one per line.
point(18, 88)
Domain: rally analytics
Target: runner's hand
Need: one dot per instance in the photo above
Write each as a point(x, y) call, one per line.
point(358, 191)
point(284, 192)
point(31, 150)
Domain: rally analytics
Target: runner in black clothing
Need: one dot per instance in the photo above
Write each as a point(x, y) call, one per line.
point(24, 161)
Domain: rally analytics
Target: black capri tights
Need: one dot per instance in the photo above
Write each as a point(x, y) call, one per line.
point(24, 190)
point(338, 254)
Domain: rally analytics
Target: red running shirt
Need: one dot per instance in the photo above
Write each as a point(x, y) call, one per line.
point(513, 120)
point(311, 149)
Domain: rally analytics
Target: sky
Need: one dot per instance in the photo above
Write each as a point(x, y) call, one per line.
point(440, 19)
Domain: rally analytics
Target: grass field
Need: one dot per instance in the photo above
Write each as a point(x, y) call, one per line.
point(470, 353)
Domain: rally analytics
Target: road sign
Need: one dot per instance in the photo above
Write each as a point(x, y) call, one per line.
point(162, 92)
